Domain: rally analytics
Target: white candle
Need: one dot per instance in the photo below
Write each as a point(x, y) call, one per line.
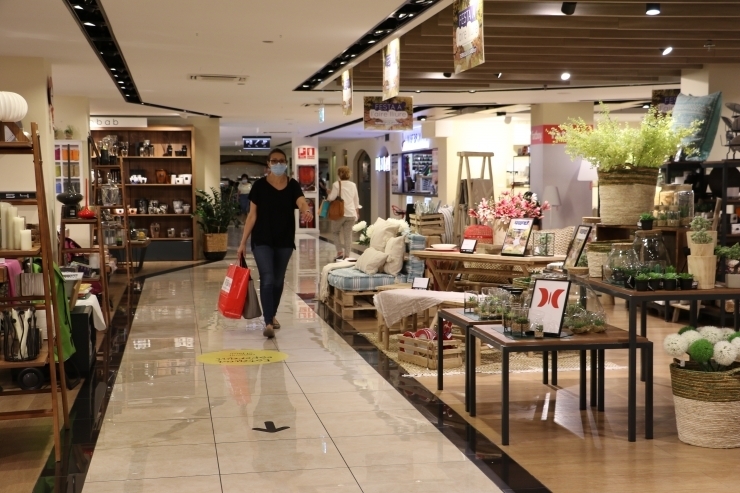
point(4, 225)
point(19, 225)
point(26, 239)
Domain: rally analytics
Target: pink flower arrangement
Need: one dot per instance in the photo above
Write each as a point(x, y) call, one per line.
point(509, 206)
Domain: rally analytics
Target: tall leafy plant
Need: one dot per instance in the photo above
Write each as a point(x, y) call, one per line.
point(215, 212)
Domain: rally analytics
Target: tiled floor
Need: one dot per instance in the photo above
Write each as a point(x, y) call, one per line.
point(176, 425)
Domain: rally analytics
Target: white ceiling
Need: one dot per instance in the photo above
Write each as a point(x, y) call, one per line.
point(164, 41)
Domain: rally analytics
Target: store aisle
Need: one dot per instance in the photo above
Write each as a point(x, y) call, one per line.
point(326, 419)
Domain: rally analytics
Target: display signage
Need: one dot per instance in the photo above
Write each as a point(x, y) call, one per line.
point(549, 299)
point(665, 99)
point(98, 122)
point(383, 163)
point(467, 34)
point(347, 96)
point(414, 142)
point(393, 114)
point(392, 69)
point(257, 143)
point(517, 236)
point(306, 155)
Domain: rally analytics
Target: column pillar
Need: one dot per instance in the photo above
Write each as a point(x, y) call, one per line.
point(708, 80)
point(551, 166)
point(28, 77)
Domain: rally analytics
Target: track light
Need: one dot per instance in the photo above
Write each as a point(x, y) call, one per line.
point(78, 7)
point(565, 76)
point(422, 118)
point(418, 91)
point(568, 8)
point(646, 106)
point(472, 91)
point(667, 50)
point(499, 75)
point(89, 24)
point(652, 8)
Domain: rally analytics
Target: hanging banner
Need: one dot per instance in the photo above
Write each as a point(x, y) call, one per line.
point(467, 34)
point(392, 114)
point(392, 69)
point(347, 92)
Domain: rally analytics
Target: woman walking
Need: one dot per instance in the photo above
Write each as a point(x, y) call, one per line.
point(342, 228)
point(244, 188)
point(271, 223)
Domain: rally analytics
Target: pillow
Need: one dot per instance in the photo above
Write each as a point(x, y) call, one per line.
point(381, 234)
point(395, 249)
point(371, 261)
point(563, 237)
point(704, 108)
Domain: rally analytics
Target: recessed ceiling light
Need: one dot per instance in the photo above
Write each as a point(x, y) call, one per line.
point(353, 56)
point(115, 75)
point(667, 50)
point(331, 71)
point(343, 63)
point(379, 31)
point(411, 15)
point(112, 70)
point(372, 41)
point(121, 82)
point(646, 106)
point(402, 15)
point(499, 75)
point(568, 8)
point(78, 7)
point(652, 8)
point(422, 118)
point(305, 85)
point(89, 24)
point(128, 95)
point(418, 91)
point(267, 41)
point(471, 91)
point(565, 75)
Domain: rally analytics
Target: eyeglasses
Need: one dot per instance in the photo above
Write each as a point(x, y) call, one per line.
point(277, 161)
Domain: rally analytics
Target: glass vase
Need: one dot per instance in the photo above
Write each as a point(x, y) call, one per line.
point(621, 264)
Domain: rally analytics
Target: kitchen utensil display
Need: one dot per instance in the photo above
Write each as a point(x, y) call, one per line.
point(154, 230)
point(161, 176)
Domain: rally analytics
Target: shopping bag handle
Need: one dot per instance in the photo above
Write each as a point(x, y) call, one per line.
point(243, 262)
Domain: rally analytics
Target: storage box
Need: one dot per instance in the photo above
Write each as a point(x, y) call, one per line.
point(423, 352)
point(427, 224)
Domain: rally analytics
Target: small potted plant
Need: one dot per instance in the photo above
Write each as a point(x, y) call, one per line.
point(655, 281)
point(521, 326)
point(215, 212)
point(670, 281)
point(646, 221)
point(662, 220)
point(641, 281)
point(731, 264)
point(702, 261)
point(69, 132)
point(686, 281)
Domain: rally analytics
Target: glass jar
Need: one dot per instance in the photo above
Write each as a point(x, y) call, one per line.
point(673, 217)
point(651, 252)
point(621, 264)
point(471, 303)
point(684, 199)
point(519, 321)
point(543, 244)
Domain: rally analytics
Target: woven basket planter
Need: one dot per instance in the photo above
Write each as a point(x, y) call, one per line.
point(215, 246)
point(625, 194)
point(597, 252)
point(707, 406)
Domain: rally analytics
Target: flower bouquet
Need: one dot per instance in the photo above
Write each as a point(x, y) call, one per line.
point(509, 206)
point(706, 388)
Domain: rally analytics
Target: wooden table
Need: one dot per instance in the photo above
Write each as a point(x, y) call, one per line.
point(445, 266)
point(613, 338)
point(642, 298)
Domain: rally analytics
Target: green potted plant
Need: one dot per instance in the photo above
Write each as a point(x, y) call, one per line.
point(662, 220)
point(731, 263)
point(670, 281)
point(215, 212)
point(641, 281)
point(686, 281)
point(69, 132)
point(702, 261)
point(627, 158)
point(646, 221)
point(655, 281)
point(706, 387)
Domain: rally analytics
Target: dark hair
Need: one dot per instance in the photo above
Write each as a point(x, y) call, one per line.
point(245, 176)
point(277, 150)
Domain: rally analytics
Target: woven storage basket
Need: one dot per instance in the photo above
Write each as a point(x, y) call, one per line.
point(216, 242)
point(625, 194)
point(707, 406)
point(597, 252)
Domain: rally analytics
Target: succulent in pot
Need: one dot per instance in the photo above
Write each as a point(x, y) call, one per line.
point(646, 221)
point(641, 281)
point(686, 281)
point(655, 281)
point(670, 281)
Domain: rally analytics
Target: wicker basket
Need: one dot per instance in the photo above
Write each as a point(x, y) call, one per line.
point(625, 194)
point(597, 252)
point(707, 406)
point(216, 242)
point(579, 271)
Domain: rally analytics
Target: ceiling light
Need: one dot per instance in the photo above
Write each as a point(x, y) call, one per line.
point(305, 85)
point(343, 63)
point(402, 15)
point(353, 56)
point(372, 41)
point(112, 70)
point(652, 8)
point(422, 118)
point(668, 50)
point(115, 75)
point(411, 15)
point(418, 91)
point(121, 82)
point(646, 106)
point(78, 7)
point(499, 75)
point(379, 31)
point(331, 71)
point(568, 8)
point(565, 76)
point(471, 91)
point(89, 24)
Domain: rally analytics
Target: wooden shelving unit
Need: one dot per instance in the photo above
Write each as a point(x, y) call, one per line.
point(57, 379)
point(159, 138)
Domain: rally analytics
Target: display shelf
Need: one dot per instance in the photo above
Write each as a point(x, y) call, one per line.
point(16, 148)
point(81, 221)
point(188, 216)
point(172, 239)
point(30, 202)
point(40, 361)
point(156, 157)
point(155, 185)
point(20, 253)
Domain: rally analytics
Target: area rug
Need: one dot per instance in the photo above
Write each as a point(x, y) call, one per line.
point(490, 360)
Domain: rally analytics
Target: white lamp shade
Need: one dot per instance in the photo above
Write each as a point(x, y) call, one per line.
point(13, 107)
point(551, 195)
point(587, 172)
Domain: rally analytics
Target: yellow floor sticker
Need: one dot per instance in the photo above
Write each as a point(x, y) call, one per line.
point(242, 357)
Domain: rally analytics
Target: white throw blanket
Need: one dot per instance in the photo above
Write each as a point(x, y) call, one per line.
point(324, 284)
point(395, 304)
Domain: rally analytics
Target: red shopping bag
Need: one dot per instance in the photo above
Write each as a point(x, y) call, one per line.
point(233, 293)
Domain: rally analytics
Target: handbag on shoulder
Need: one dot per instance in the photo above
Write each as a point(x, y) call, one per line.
point(336, 208)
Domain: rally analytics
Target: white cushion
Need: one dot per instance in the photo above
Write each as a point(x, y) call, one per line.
point(395, 248)
point(381, 234)
point(371, 261)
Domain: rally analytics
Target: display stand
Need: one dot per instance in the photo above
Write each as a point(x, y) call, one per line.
point(464, 199)
point(23, 146)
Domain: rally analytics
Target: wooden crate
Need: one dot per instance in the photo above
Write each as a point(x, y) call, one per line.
point(349, 304)
point(423, 352)
point(427, 224)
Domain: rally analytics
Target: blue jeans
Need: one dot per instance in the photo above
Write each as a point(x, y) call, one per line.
point(271, 264)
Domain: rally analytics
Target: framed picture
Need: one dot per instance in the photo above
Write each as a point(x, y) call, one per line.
point(549, 299)
point(517, 236)
point(420, 283)
point(468, 246)
point(576, 246)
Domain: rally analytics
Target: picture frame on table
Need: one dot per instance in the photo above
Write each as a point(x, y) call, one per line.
point(577, 244)
point(517, 237)
point(549, 300)
point(420, 283)
point(468, 246)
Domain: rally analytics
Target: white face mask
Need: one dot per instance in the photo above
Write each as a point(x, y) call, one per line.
point(245, 181)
